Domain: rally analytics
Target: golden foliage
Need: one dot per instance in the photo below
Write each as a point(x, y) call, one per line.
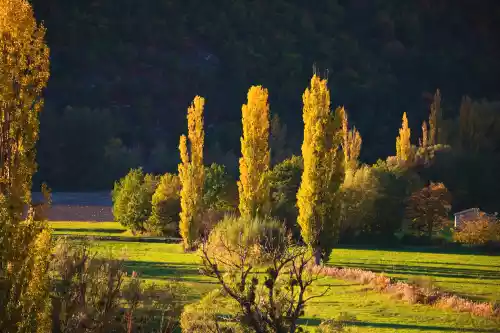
point(192, 174)
point(479, 231)
point(323, 168)
point(351, 142)
point(254, 162)
point(24, 71)
point(403, 144)
point(25, 244)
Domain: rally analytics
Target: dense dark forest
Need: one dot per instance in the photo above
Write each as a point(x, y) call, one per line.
point(123, 74)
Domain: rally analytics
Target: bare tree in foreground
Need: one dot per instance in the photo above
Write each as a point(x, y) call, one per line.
point(270, 296)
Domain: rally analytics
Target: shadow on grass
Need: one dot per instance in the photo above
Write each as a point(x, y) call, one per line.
point(448, 272)
point(167, 271)
point(421, 249)
point(423, 328)
point(103, 230)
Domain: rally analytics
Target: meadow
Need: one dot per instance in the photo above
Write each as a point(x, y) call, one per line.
point(473, 275)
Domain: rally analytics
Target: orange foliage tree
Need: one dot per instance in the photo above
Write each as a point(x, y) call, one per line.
point(428, 208)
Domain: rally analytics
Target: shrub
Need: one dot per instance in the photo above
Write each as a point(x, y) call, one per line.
point(269, 297)
point(336, 325)
point(260, 235)
point(132, 199)
point(166, 207)
point(480, 231)
point(207, 315)
point(91, 292)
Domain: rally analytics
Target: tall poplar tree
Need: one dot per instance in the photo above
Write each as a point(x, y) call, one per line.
point(323, 173)
point(403, 144)
point(435, 120)
point(25, 243)
point(192, 174)
point(254, 163)
point(351, 142)
point(424, 142)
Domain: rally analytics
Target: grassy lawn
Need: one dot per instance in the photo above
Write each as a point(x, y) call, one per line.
point(88, 228)
point(473, 275)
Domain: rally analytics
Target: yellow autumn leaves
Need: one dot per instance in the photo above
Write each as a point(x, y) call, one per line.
point(325, 134)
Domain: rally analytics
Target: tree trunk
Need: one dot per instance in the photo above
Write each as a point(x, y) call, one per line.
point(56, 310)
point(317, 256)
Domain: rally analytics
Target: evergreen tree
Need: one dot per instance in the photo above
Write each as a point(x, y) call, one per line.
point(323, 170)
point(254, 163)
point(25, 243)
point(403, 144)
point(192, 174)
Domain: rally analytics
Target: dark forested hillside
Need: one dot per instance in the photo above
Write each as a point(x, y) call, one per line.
point(123, 73)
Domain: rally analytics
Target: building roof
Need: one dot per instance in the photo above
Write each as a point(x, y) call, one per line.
point(470, 210)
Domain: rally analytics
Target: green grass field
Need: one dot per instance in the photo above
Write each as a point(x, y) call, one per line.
point(474, 275)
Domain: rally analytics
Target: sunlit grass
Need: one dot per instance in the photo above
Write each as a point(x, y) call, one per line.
point(475, 276)
point(468, 274)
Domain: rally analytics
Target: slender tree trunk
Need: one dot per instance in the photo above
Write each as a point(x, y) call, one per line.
point(317, 256)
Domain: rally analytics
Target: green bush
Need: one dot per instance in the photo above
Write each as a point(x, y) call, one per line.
point(132, 199)
point(166, 207)
point(208, 315)
point(261, 236)
point(216, 188)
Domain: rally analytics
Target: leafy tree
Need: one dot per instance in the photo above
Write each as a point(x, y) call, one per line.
point(403, 144)
point(254, 163)
point(132, 199)
point(284, 182)
point(396, 183)
point(428, 209)
point(192, 174)
point(360, 192)
point(25, 242)
point(216, 188)
point(166, 206)
point(323, 170)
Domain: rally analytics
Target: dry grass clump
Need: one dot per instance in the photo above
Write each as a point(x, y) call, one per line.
point(419, 291)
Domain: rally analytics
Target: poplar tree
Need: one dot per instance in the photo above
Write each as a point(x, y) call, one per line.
point(25, 243)
point(253, 188)
point(351, 142)
point(323, 173)
point(425, 135)
point(435, 120)
point(403, 144)
point(192, 174)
